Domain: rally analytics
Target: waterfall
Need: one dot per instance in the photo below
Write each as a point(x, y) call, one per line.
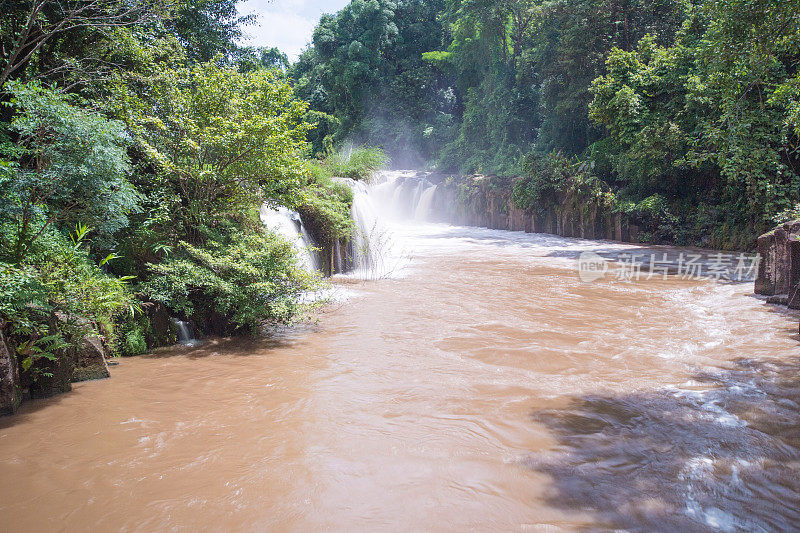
point(371, 240)
point(401, 195)
point(185, 335)
point(406, 194)
point(423, 210)
point(288, 224)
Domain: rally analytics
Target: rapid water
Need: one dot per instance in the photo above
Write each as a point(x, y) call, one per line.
point(372, 240)
point(485, 387)
point(288, 224)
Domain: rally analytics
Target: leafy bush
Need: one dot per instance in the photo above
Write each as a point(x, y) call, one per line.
point(326, 211)
point(654, 216)
point(26, 311)
point(252, 277)
point(786, 215)
point(56, 296)
point(133, 342)
point(552, 180)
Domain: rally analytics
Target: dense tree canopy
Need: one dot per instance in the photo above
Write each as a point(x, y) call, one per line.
point(691, 105)
point(366, 69)
point(137, 142)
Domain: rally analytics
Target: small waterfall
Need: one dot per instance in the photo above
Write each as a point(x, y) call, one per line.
point(288, 224)
point(423, 210)
point(371, 239)
point(338, 258)
point(185, 335)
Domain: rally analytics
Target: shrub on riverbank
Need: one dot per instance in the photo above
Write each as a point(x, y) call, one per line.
point(326, 211)
point(56, 296)
point(249, 279)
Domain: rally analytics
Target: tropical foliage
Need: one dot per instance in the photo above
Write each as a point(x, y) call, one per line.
point(695, 103)
point(137, 142)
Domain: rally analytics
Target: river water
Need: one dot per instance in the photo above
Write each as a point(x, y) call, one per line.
point(483, 387)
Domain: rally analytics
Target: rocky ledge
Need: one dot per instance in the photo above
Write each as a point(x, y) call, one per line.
point(779, 270)
point(85, 363)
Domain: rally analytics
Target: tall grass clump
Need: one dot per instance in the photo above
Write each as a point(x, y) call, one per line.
point(355, 162)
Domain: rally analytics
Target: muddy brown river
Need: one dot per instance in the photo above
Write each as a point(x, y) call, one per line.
point(485, 387)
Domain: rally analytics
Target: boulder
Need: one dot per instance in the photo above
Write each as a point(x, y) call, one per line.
point(794, 272)
point(10, 394)
point(775, 265)
point(55, 376)
point(90, 361)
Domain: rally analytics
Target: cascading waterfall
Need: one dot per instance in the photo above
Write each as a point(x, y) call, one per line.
point(423, 209)
point(371, 240)
point(406, 194)
point(400, 195)
point(288, 224)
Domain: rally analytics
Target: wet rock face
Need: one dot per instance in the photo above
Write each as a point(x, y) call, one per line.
point(794, 274)
point(55, 377)
point(780, 262)
point(488, 203)
point(10, 394)
point(90, 362)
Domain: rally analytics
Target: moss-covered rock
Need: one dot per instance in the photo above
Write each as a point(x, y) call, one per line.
point(90, 361)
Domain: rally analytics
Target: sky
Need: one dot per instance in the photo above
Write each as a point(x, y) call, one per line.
point(287, 24)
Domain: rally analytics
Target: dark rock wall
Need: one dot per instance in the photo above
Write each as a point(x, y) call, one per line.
point(779, 269)
point(488, 204)
point(10, 391)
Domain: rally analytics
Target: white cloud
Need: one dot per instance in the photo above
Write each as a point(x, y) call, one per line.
point(287, 24)
point(288, 31)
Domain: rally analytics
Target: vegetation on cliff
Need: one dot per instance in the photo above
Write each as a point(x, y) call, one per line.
point(686, 111)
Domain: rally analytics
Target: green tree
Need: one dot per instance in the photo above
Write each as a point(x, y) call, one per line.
point(366, 69)
point(65, 164)
point(214, 143)
point(704, 127)
point(207, 28)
